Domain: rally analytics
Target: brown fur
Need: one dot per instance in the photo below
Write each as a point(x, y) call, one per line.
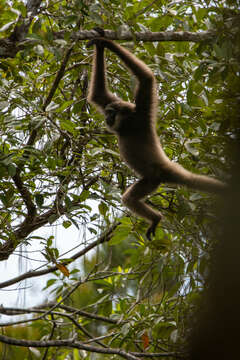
point(134, 125)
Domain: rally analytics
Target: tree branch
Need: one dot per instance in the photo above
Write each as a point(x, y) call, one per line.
point(39, 309)
point(79, 345)
point(52, 91)
point(21, 29)
point(67, 343)
point(27, 227)
point(89, 315)
point(30, 274)
point(26, 195)
point(10, 49)
point(50, 337)
point(8, 247)
point(15, 311)
point(29, 224)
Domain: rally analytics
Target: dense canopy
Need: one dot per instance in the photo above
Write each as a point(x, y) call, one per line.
point(110, 293)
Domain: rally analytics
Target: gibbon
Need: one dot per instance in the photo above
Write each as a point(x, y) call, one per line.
point(134, 126)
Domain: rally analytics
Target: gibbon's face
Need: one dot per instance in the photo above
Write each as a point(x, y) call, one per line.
point(110, 116)
point(115, 117)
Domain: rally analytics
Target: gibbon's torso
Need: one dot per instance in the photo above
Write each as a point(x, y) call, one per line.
point(144, 154)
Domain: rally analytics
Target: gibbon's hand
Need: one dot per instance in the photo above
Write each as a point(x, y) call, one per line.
point(99, 40)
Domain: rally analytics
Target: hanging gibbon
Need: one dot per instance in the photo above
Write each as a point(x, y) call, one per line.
point(134, 126)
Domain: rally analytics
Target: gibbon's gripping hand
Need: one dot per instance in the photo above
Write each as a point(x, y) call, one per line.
point(99, 40)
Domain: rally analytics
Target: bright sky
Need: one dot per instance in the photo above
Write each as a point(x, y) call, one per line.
point(31, 294)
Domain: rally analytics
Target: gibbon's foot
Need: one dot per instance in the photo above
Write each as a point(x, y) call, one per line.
point(96, 41)
point(152, 229)
point(151, 232)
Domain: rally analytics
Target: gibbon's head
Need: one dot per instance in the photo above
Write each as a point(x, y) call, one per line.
point(117, 116)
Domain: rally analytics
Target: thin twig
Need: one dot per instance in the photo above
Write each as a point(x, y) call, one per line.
point(33, 273)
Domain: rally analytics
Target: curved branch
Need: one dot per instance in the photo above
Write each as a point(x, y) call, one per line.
point(72, 343)
point(52, 91)
point(27, 227)
point(40, 309)
point(67, 343)
point(30, 274)
point(26, 195)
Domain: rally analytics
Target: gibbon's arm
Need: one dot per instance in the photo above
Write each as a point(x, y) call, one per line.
point(138, 68)
point(146, 94)
point(98, 93)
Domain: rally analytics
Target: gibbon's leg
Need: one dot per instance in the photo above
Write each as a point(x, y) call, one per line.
point(133, 199)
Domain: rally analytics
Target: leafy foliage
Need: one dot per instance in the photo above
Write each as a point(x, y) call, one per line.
point(59, 166)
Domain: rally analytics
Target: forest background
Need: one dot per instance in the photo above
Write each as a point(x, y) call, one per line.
point(107, 291)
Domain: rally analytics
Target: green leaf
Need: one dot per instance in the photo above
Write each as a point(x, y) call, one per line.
point(52, 218)
point(68, 125)
point(49, 241)
point(36, 26)
point(66, 224)
point(52, 106)
point(39, 199)
point(76, 355)
point(64, 106)
point(120, 234)
point(71, 19)
point(84, 195)
point(103, 208)
point(11, 169)
point(50, 283)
